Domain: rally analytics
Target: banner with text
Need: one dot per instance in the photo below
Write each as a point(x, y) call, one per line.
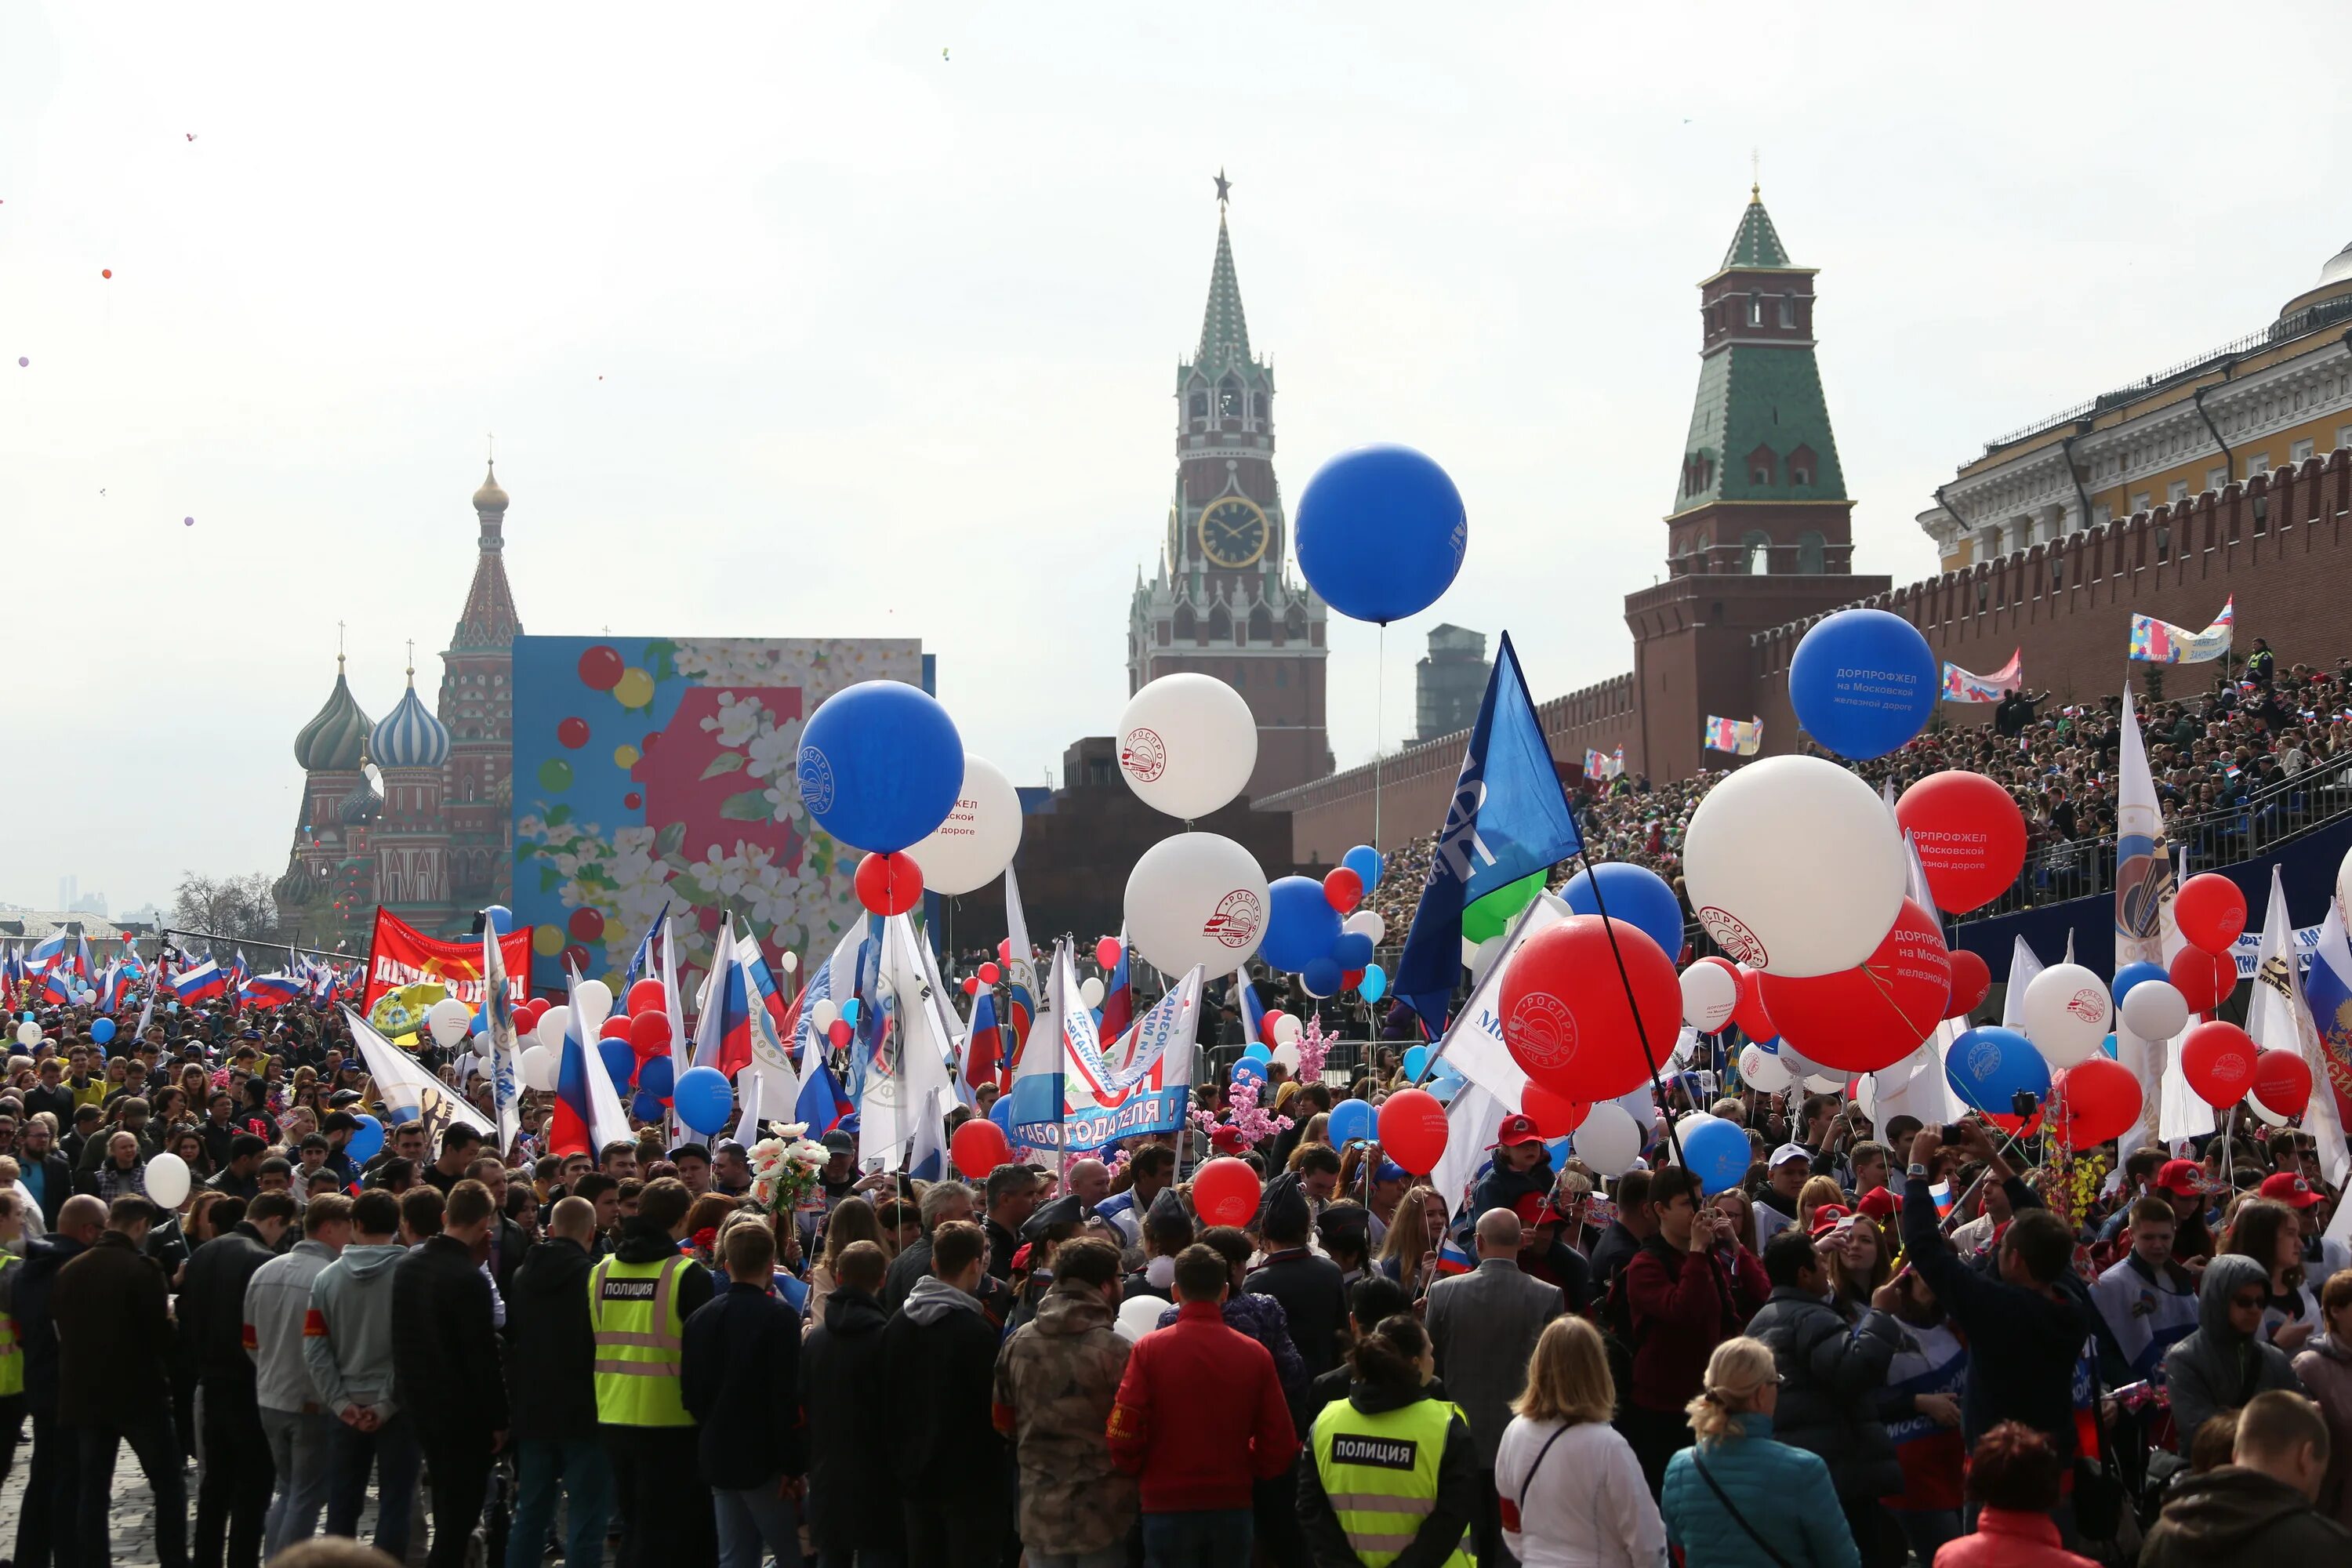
point(399, 955)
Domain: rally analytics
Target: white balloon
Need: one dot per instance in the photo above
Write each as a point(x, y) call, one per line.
point(550, 1032)
point(1187, 744)
point(167, 1180)
point(1484, 961)
point(1825, 1082)
point(1469, 953)
point(449, 1019)
point(538, 1068)
point(28, 1034)
point(2268, 1117)
point(1866, 1096)
point(1139, 1317)
point(823, 1015)
point(2153, 1009)
point(1709, 994)
point(1795, 867)
point(595, 1000)
point(1196, 898)
point(1287, 1055)
point(1608, 1140)
point(1366, 922)
point(1760, 1069)
point(977, 841)
point(2066, 1012)
point(1795, 1062)
point(1091, 990)
point(791, 960)
point(1286, 1030)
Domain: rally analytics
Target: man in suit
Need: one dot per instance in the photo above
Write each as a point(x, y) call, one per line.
point(1482, 1326)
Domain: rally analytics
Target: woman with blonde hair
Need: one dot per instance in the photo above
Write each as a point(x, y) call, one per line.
point(1571, 1489)
point(1740, 1500)
point(1818, 1194)
point(1409, 1251)
point(853, 1219)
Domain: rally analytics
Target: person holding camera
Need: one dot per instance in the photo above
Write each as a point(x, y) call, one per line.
point(1673, 1303)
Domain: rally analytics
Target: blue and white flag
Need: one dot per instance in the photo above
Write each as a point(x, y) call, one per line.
point(1509, 819)
point(1142, 1083)
point(499, 1043)
point(641, 962)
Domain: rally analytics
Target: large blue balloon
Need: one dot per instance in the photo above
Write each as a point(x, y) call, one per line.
point(1634, 894)
point(1249, 1070)
point(620, 1061)
point(657, 1076)
point(704, 1099)
point(1353, 950)
point(1322, 978)
point(501, 919)
point(1382, 532)
point(1718, 1156)
point(1300, 923)
point(1987, 1067)
point(366, 1139)
point(1350, 1120)
point(645, 1108)
point(2132, 975)
point(1001, 1113)
point(1257, 1051)
point(1366, 863)
point(101, 1029)
point(1864, 683)
point(1416, 1062)
point(880, 765)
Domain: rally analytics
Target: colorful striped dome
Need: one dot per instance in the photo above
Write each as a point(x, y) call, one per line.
point(409, 736)
point(331, 742)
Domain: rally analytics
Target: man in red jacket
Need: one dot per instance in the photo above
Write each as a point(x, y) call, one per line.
point(1200, 1416)
point(1673, 1305)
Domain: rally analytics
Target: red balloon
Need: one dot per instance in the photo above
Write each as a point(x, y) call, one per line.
point(2093, 1100)
point(889, 884)
point(840, 1031)
point(586, 923)
point(1554, 1117)
point(2203, 979)
point(649, 1033)
point(971, 985)
point(572, 733)
point(527, 1014)
point(614, 1027)
point(990, 974)
point(1413, 1127)
point(1004, 951)
point(2210, 911)
point(1224, 1192)
point(1872, 1016)
point(1972, 981)
point(1351, 979)
point(1343, 888)
point(1564, 1013)
point(2218, 1059)
point(1107, 952)
point(647, 996)
point(2282, 1082)
point(980, 1146)
point(601, 667)
point(1748, 1012)
point(1971, 834)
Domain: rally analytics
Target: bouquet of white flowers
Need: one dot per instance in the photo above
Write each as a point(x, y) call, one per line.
point(785, 1168)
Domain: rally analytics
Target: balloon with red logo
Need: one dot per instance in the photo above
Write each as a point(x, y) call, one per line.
point(2217, 1060)
point(2211, 911)
point(1224, 1192)
point(647, 996)
point(978, 1147)
point(1412, 1129)
point(1554, 1116)
point(1969, 834)
point(1710, 994)
point(1565, 1014)
point(2282, 1082)
point(2092, 1101)
point(889, 884)
point(2203, 979)
point(1872, 1015)
point(1972, 982)
point(1749, 1013)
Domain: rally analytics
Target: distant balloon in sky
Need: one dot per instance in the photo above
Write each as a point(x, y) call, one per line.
point(22, 362)
point(105, 272)
point(187, 522)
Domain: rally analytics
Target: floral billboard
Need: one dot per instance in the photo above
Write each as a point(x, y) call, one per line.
point(653, 771)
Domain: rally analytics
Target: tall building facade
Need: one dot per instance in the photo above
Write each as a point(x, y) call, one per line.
point(1449, 682)
point(436, 845)
point(1224, 600)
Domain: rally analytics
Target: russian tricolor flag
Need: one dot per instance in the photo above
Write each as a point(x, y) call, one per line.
point(115, 989)
point(240, 972)
point(199, 982)
point(1253, 1010)
point(983, 1044)
point(82, 964)
point(1118, 997)
point(51, 949)
point(269, 990)
point(1452, 1260)
point(56, 986)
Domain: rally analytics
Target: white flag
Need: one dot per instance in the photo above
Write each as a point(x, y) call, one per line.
point(2279, 1020)
point(408, 1090)
point(500, 1044)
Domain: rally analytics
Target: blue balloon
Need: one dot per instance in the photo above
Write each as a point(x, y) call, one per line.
point(657, 1076)
point(704, 1099)
point(850, 1008)
point(2132, 975)
point(620, 1061)
point(1987, 1067)
point(1257, 1051)
point(880, 765)
point(1249, 1070)
point(501, 918)
point(478, 1024)
point(101, 1029)
point(1353, 950)
point(1001, 1113)
point(2108, 1045)
point(1374, 985)
point(366, 1139)
point(1634, 894)
point(1416, 1062)
point(645, 1108)
point(1864, 683)
point(1322, 978)
point(1445, 1082)
point(1718, 1156)
point(1300, 923)
point(1381, 531)
point(1350, 1120)
point(1366, 863)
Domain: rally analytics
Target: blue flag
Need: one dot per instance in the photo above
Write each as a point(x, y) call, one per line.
point(1509, 819)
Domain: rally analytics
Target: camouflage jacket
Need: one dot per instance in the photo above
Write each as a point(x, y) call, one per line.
point(1055, 1380)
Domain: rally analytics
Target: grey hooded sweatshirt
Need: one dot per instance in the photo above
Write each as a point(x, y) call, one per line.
point(347, 1344)
point(2215, 1369)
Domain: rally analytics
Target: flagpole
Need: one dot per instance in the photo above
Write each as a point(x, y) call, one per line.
point(1641, 1031)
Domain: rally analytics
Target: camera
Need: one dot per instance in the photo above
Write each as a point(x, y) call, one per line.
point(2024, 1103)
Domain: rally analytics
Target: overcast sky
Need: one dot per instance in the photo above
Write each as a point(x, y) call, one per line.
point(789, 323)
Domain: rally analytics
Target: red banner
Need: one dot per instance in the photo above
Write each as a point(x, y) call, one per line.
point(399, 954)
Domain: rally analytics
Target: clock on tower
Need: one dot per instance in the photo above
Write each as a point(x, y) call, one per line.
point(1224, 601)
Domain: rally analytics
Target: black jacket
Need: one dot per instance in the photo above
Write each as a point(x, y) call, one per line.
point(904, 1269)
point(112, 1318)
point(43, 1255)
point(2231, 1517)
point(939, 1379)
point(1830, 1372)
point(740, 1372)
point(444, 1355)
point(58, 1102)
point(1001, 1244)
point(1442, 1531)
point(1612, 1252)
point(1314, 1302)
point(554, 1357)
point(211, 1304)
point(509, 1247)
point(853, 1493)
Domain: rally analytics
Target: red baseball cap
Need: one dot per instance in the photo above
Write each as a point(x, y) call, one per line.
point(1516, 1129)
point(2289, 1189)
point(1880, 1202)
point(1829, 1217)
point(2185, 1177)
point(1228, 1141)
point(1533, 1208)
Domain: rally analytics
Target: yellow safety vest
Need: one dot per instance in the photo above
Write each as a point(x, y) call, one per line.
point(1380, 1474)
point(633, 1309)
point(12, 1351)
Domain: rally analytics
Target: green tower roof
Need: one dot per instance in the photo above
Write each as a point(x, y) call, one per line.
point(1224, 331)
point(1756, 243)
point(333, 741)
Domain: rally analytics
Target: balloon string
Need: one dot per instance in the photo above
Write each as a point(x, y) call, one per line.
point(1379, 714)
point(1640, 1030)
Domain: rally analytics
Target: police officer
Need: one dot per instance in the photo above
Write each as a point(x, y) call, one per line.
point(1393, 1467)
point(638, 1300)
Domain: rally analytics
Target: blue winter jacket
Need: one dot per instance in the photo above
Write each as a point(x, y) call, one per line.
point(1783, 1493)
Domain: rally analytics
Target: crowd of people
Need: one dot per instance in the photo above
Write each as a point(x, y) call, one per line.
point(1886, 1344)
